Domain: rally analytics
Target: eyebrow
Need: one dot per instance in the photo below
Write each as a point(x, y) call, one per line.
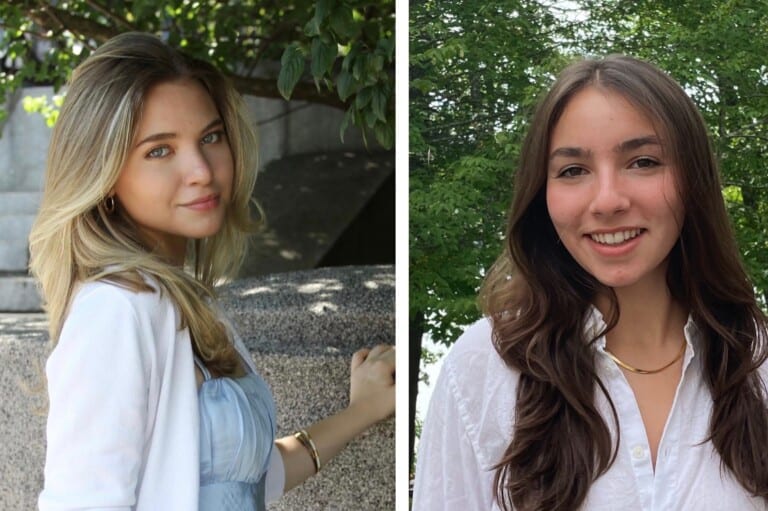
point(166, 135)
point(624, 147)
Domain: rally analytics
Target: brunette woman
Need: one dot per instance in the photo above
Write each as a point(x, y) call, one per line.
point(618, 366)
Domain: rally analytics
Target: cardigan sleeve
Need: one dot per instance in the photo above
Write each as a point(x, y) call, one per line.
point(98, 401)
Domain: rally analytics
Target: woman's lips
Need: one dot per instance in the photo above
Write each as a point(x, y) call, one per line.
point(615, 245)
point(203, 203)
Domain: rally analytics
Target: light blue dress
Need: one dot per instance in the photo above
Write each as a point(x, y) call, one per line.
point(237, 434)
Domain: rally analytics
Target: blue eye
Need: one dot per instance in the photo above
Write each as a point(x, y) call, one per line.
point(159, 152)
point(212, 137)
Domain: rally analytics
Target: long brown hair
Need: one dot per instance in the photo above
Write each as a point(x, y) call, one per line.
point(538, 298)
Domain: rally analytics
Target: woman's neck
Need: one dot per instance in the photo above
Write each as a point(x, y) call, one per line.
point(650, 320)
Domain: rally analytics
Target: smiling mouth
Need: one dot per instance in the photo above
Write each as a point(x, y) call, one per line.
point(615, 238)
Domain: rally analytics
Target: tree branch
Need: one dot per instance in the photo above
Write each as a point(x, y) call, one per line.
point(52, 18)
point(96, 6)
point(266, 87)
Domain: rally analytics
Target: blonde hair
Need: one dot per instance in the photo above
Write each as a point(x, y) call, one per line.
point(75, 240)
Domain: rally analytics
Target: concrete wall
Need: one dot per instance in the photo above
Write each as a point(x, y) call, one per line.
point(301, 328)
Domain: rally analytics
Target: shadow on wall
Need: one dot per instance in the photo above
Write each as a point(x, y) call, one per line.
point(325, 209)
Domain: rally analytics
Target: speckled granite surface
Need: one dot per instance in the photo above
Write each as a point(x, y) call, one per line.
point(301, 327)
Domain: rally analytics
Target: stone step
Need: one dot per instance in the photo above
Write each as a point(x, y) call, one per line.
point(15, 226)
point(19, 203)
point(18, 293)
point(14, 258)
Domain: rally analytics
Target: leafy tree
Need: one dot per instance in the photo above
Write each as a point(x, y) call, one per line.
point(475, 67)
point(334, 52)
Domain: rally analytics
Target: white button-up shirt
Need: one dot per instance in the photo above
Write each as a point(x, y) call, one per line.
point(470, 420)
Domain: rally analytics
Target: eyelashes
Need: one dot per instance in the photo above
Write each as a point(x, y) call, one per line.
point(641, 163)
point(158, 152)
point(163, 151)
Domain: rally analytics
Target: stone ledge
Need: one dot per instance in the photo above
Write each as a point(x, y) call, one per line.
point(18, 293)
point(301, 328)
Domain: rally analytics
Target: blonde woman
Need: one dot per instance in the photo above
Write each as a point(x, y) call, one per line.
point(154, 403)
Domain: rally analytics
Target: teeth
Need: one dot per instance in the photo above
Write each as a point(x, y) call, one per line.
point(614, 238)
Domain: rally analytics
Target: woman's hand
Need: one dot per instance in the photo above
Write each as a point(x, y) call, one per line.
point(372, 382)
point(371, 399)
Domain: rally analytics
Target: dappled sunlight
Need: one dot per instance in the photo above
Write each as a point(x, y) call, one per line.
point(320, 285)
point(257, 290)
point(323, 307)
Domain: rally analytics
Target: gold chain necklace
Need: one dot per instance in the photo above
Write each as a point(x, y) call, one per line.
point(643, 371)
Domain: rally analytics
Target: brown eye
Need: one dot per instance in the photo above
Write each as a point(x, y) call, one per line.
point(571, 171)
point(644, 163)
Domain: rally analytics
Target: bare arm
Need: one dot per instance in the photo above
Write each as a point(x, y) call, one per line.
point(371, 399)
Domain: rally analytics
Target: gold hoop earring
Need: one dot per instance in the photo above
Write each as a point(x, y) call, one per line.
point(110, 204)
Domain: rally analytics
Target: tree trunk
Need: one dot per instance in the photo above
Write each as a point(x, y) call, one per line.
point(415, 333)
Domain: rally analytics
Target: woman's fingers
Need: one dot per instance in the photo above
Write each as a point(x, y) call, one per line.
point(381, 348)
point(372, 380)
point(359, 357)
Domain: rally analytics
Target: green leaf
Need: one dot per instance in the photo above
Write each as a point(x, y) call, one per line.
point(322, 9)
point(312, 28)
point(386, 46)
point(385, 134)
point(363, 97)
point(345, 85)
point(323, 55)
point(342, 22)
point(370, 118)
point(379, 104)
point(345, 122)
point(360, 66)
point(291, 69)
point(350, 58)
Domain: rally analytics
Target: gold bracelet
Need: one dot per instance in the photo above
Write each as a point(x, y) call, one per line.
point(306, 440)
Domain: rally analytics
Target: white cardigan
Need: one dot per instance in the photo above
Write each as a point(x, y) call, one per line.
point(123, 420)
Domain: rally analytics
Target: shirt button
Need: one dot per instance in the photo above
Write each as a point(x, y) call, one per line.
point(638, 452)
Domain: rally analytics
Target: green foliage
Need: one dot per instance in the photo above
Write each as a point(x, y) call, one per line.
point(342, 31)
point(475, 69)
point(316, 41)
point(41, 105)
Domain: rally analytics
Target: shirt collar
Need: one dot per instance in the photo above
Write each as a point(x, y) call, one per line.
point(594, 324)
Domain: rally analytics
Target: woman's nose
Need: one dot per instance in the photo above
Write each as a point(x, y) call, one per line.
point(610, 194)
point(198, 169)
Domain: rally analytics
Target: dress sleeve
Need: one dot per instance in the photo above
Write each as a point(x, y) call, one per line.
point(449, 475)
point(98, 397)
point(275, 479)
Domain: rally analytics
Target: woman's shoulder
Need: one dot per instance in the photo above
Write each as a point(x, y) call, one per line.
point(98, 302)
point(474, 354)
point(482, 389)
point(105, 294)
